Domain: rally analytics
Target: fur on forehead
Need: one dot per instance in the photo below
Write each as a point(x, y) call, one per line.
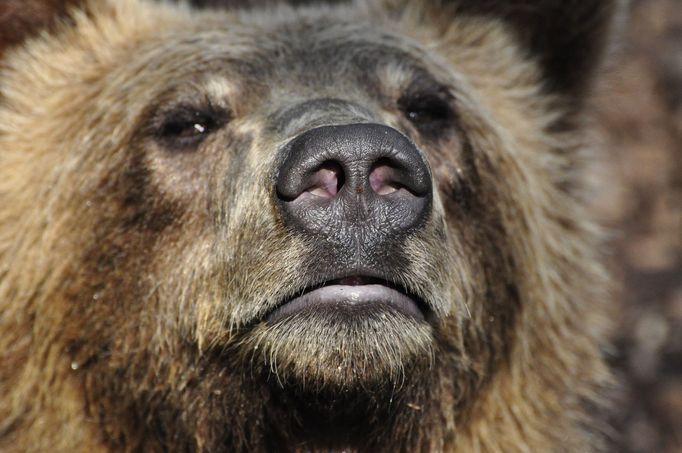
point(568, 38)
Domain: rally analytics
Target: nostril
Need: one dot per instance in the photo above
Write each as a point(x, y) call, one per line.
point(326, 181)
point(384, 179)
point(387, 178)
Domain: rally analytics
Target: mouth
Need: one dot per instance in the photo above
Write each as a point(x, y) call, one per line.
point(355, 295)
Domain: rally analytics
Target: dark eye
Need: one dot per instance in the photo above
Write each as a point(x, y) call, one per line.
point(431, 113)
point(185, 128)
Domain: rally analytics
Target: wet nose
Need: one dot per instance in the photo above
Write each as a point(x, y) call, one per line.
point(365, 175)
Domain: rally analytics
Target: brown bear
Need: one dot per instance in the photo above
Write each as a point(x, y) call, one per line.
point(270, 226)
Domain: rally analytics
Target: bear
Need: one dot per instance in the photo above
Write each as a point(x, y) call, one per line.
point(300, 226)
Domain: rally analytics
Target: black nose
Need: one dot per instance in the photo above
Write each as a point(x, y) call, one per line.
point(338, 180)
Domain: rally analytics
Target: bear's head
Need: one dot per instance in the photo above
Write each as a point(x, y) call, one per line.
point(257, 227)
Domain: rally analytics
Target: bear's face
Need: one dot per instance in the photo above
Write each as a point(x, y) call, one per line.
point(343, 216)
point(194, 235)
point(202, 185)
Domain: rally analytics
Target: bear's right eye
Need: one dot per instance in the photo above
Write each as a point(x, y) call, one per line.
point(185, 128)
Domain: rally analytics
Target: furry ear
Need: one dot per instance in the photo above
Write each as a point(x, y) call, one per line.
point(21, 19)
point(569, 37)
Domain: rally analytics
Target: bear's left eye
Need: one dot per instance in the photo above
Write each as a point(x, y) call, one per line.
point(186, 128)
point(431, 113)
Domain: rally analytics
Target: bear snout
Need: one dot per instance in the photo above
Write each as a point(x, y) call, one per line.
point(354, 177)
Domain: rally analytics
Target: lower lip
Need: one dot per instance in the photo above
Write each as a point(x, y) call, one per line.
point(349, 297)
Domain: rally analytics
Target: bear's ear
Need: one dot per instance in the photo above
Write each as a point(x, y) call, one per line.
point(21, 19)
point(568, 37)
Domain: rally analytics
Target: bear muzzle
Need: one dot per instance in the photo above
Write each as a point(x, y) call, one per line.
point(355, 192)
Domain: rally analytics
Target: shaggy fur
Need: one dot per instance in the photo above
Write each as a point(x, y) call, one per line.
point(136, 272)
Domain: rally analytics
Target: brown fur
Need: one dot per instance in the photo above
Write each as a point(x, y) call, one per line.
point(22, 18)
point(134, 278)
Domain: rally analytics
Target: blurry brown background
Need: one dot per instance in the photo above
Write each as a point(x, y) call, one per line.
point(640, 108)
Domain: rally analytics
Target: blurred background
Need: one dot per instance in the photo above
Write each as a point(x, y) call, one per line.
point(639, 108)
